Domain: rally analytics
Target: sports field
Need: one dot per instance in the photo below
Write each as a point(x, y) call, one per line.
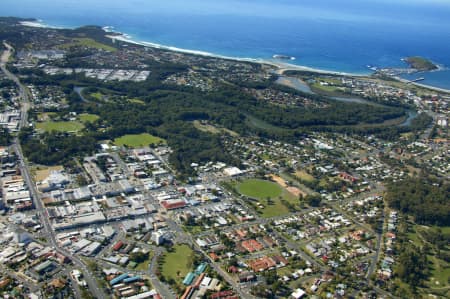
point(272, 199)
point(259, 189)
point(138, 140)
point(60, 126)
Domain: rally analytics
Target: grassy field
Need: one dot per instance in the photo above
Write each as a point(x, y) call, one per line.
point(303, 175)
point(138, 140)
point(60, 126)
point(175, 263)
point(261, 190)
point(136, 101)
point(97, 95)
point(88, 118)
point(90, 43)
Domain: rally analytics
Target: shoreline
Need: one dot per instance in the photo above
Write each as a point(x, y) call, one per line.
point(281, 67)
point(434, 88)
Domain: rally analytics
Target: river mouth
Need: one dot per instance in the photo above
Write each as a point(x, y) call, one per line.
point(302, 86)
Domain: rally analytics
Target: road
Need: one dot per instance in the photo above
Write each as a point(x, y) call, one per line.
point(47, 228)
point(160, 287)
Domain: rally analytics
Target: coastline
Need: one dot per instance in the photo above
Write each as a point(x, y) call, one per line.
point(434, 88)
point(281, 67)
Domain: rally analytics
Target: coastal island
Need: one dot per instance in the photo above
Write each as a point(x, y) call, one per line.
point(420, 63)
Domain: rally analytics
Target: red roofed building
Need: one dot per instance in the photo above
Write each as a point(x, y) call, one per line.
point(173, 204)
point(252, 245)
point(117, 246)
point(223, 294)
point(347, 177)
point(214, 256)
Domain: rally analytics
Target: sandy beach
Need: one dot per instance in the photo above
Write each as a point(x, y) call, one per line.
point(422, 85)
point(281, 67)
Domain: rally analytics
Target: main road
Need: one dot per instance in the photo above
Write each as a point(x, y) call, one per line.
point(48, 230)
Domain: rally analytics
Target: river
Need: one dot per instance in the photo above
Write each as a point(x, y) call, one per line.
point(302, 86)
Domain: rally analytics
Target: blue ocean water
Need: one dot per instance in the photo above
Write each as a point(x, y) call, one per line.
point(345, 35)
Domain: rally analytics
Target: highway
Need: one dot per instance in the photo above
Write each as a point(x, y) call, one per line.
point(42, 212)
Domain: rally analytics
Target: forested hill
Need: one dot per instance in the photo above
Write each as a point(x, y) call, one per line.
point(428, 201)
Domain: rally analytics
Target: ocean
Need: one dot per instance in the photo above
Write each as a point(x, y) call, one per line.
point(344, 36)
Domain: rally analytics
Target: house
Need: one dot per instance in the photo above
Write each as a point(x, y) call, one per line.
point(298, 293)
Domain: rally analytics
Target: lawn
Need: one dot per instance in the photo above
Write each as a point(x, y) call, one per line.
point(138, 140)
point(176, 264)
point(88, 118)
point(262, 190)
point(60, 126)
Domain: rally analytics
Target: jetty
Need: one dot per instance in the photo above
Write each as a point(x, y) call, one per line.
point(415, 80)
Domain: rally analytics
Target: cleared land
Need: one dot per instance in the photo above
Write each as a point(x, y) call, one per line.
point(42, 174)
point(60, 126)
point(176, 264)
point(138, 140)
point(88, 42)
point(279, 180)
point(304, 176)
point(204, 127)
point(45, 116)
point(88, 118)
point(136, 101)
